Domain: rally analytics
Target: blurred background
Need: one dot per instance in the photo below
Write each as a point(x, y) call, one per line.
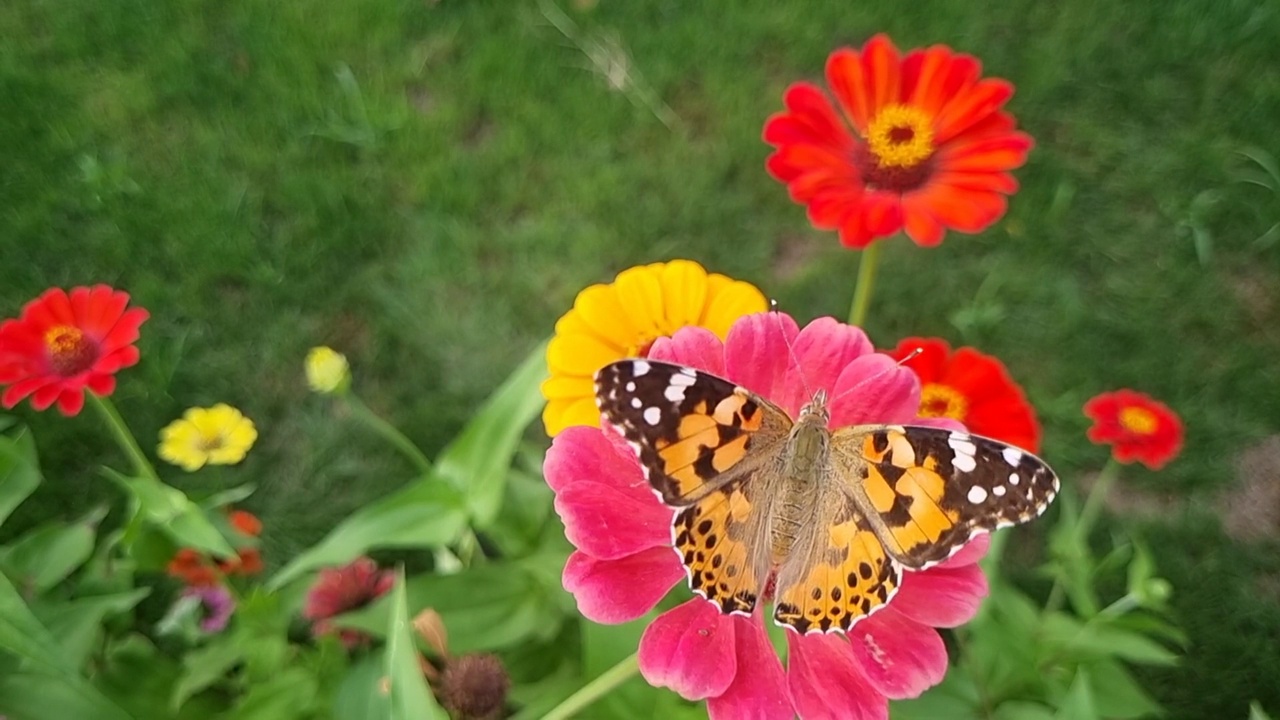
point(425, 186)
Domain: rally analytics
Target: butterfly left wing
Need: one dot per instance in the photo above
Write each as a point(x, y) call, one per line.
point(692, 430)
point(927, 491)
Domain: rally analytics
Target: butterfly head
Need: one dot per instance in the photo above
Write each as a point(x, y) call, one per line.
point(815, 411)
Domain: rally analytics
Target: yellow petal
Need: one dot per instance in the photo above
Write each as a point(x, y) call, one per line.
point(731, 299)
point(562, 387)
point(599, 308)
point(561, 414)
point(580, 355)
point(684, 291)
point(640, 295)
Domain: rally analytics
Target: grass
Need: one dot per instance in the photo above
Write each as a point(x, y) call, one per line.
point(426, 185)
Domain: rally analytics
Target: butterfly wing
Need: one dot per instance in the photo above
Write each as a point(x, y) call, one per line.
point(838, 572)
point(707, 447)
point(927, 491)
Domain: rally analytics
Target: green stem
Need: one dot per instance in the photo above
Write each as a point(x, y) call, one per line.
point(595, 689)
point(1084, 523)
point(389, 433)
point(867, 266)
point(141, 465)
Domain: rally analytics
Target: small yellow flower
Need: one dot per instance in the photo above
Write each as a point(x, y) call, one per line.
point(327, 370)
point(624, 318)
point(219, 435)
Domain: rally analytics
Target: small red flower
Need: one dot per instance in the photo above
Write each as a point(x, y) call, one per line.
point(339, 590)
point(248, 561)
point(64, 343)
point(193, 568)
point(973, 388)
point(245, 522)
point(1136, 426)
point(918, 143)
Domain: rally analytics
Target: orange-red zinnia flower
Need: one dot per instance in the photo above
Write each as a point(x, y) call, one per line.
point(919, 143)
point(343, 589)
point(973, 388)
point(64, 343)
point(1136, 426)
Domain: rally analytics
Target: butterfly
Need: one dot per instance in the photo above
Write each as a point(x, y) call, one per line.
point(823, 521)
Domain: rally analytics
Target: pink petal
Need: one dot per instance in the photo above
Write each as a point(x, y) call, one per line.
point(942, 597)
point(875, 389)
point(694, 346)
point(759, 689)
point(609, 523)
point(969, 554)
point(901, 657)
point(825, 347)
point(758, 355)
point(616, 591)
point(587, 454)
point(690, 649)
point(826, 684)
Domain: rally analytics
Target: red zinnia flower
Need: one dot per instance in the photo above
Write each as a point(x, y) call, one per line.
point(64, 343)
point(1136, 426)
point(919, 143)
point(973, 388)
point(193, 568)
point(339, 590)
point(245, 522)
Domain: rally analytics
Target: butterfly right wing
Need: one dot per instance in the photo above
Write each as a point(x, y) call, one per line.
point(709, 448)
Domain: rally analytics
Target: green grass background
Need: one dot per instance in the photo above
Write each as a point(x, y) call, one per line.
point(426, 185)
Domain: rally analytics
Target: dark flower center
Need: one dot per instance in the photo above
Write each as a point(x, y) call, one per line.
point(937, 400)
point(898, 152)
point(70, 352)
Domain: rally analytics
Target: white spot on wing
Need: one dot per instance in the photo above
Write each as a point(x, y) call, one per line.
point(635, 403)
point(1013, 456)
point(1014, 479)
point(977, 494)
point(965, 452)
point(674, 392)
point(683, 378)
point(998, 491)
point(689, 372)
point(652, 415)
point(631, 386)
point(640, 367)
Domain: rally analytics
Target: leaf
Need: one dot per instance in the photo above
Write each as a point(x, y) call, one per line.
point(423, 514)
point(360, 695)
point(29, 696)
point(1078, 702)
point(411, 699)
point(290, 694)
point(478, 460)
point(49, 554)
point(487, 607)
point(19, 471)
point(203, 667)
point(1097, 640)
point(23, 635)
point(1022, 710)
point(1116, 695)
point(1256, 712)
point(955, 697)
point(230, 496)
point(77, 624)
point(170, 510)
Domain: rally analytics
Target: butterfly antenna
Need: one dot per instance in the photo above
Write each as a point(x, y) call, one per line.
point(795, 360)
point(907, 358)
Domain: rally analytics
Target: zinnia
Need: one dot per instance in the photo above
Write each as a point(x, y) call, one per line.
point(66, 343)
point(624, 318)
point(342, 589)
point(624, 564)
point(919, 143)
point(1136, 426)
point(219, 435)
point(972, 388)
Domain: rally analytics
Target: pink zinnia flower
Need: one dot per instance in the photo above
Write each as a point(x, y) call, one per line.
point(624, 564)
point(340, 590)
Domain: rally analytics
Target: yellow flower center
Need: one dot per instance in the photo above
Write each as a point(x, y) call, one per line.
point(70, 352)
point(1138, 420)
point(210, 441)
point(642, 346)
point(901, 136)
point(942, 401)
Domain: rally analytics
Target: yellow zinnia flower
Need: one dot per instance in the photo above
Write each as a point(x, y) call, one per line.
point(623, 318)
point(219, 435)
point(327, 370)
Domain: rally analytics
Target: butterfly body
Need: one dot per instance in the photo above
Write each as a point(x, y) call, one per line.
point(826, 519)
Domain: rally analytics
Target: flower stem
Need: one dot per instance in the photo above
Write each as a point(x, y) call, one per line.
point(1085, 522)
point(867, 265)
point(389, 433)
point(125, 439)
point(595, 689)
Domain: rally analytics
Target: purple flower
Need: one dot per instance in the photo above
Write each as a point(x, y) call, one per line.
point(216, 605)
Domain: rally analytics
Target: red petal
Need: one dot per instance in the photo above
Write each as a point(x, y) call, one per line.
point(970, 108)
point(690, 649)
point(759, 688)
point(942, 597)
point(617, 591)
point(610, 523)
point(70, 402)
point(901, 657)
point(826, 684)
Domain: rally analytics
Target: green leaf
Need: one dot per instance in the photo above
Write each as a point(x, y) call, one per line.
point(77, 624)
point(29, 696)
point(478, 460)
point(1078, 702)
point(230, 496)
point(488, 607)
point(1116, 695)
point(1256, 712)
point(1097, 640)
point(293, 693)
point(423, 514)
point(955, 697)
point(1022, 710)
point(203, 667)
point(411, 699)
point(49, 554)
point(19, 471)
point(22, 635)
point(170, 510)
point(359, 696)
point(468, 480)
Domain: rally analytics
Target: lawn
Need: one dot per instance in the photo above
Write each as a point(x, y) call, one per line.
point(425, 186)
